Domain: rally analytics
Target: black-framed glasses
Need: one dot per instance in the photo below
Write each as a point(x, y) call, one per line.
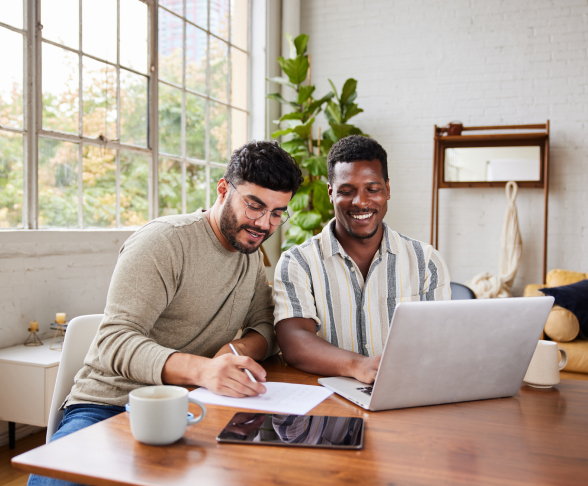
point(277, 218)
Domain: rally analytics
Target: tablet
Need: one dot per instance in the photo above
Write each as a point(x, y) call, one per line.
point(294, 430)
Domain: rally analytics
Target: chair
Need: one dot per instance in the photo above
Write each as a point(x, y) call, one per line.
point(78, 337)
point(461, 292)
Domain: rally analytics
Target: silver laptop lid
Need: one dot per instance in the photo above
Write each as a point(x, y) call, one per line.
point(454, 351)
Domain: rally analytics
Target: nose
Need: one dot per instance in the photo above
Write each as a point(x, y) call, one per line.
point(263, 223)
point(361, 200)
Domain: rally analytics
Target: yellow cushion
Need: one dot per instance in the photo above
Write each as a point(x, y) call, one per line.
point(562, 325)
point(559, 278)
point(532, 290)
point(577, 355)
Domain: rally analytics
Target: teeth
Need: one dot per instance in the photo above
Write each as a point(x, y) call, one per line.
point(361, 216)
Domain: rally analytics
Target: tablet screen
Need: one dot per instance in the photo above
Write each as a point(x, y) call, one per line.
point(294, 430)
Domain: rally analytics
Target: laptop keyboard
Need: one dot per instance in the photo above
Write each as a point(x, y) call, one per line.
point(366, 389)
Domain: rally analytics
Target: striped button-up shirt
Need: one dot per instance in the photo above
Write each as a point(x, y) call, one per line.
point(318, 280)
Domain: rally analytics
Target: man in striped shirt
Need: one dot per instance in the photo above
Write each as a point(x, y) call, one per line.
point(335, 294)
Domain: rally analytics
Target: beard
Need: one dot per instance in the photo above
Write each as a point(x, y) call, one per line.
point(230, 229)
point(362, 237)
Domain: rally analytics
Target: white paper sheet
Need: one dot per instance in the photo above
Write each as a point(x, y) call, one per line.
point(280, 397)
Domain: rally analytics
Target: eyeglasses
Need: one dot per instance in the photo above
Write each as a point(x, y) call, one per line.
point(277, 218)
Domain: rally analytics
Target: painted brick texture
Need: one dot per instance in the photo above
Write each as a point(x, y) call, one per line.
point(425, 62)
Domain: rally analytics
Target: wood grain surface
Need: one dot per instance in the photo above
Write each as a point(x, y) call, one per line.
point(536, 437)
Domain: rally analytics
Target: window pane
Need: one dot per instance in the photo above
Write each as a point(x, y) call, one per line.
point(197, 12)
point(170, 187)
point(11, 179)
point(238, 78)
point(219, 150)
point(58, 183)
point(215, 175)
point(99, 99)
point(195, 187)
point(99, 187)
point(238, 129)
point(11, 79)
point(12, 13)
point(133, 108)
point(171, 35)
point(219, 60)
point(99, 36)
point(195, 127)
point(61, 21)
point(239, 23)
point(195, 59)
point(176, 6)
point(134, 189)
point(219, 18)
point(170, 119)
point(60, 89)
point(134, 37)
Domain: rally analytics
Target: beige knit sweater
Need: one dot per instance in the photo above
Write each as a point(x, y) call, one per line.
point(174, 288)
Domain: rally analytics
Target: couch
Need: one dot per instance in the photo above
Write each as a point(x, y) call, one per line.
point(562, 326)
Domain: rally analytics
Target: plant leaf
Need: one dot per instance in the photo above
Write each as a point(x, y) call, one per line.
point(318, 103)
point(291, 45)
point(305, 93)
point(295, 69)
point(333, 112)
point(316, 165)
point(304, 130)
point(348, 89)
point(280, 98)
point(294, 115)
point(350, 111)
point(281, 80)
point(301, 42)
point(280, 133)
point(294, 146)
point(307, 220)
point(299, 201)
point(334, 89)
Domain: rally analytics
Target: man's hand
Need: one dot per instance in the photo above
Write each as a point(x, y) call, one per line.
point(222, 375)
point(366, 369)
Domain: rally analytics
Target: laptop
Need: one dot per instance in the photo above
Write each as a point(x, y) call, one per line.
point(451, 351)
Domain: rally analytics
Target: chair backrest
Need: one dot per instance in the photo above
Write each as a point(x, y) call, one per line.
point(78, 337)
point(461, 292)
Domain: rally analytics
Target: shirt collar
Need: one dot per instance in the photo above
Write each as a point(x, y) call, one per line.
point(331, 246)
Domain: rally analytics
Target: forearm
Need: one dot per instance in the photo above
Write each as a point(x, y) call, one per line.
point(308, 352)
point(253, 344)
point(183, 369)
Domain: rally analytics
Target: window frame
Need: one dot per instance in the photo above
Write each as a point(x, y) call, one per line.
point(32, 127)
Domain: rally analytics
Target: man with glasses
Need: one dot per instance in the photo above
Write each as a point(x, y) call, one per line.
point(182, 288)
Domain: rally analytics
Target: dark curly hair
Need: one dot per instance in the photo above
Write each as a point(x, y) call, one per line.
point(353, 149)
point(264, 164)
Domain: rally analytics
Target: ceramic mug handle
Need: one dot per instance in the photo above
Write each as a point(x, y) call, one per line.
point(200, 418)
point(564, 358)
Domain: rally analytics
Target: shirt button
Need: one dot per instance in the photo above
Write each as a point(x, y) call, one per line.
point(352, 269)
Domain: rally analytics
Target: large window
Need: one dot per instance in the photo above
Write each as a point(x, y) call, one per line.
point(116, 111)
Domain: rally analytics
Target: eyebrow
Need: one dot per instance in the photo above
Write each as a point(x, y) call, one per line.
point(259, 201)
point(349, 184)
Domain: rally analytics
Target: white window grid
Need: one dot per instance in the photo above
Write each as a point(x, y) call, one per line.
point(183, 159)
point(32, 109)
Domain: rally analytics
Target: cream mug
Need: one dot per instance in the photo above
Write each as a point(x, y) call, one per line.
point(543, 371)
point(159, 414)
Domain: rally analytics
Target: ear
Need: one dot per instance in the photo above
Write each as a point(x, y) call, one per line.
point(222, 190)
point(330, 191)
point(388, 188)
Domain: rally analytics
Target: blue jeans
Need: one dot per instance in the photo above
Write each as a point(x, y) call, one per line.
point(75, 417)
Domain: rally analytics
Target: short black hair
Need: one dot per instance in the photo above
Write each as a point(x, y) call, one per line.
point(354, 148)
point(264, 164)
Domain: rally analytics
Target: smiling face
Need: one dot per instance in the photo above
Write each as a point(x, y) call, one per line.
point(359, 194)
point(243, 234)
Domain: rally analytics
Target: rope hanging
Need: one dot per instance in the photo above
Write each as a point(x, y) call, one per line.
point(487, 286)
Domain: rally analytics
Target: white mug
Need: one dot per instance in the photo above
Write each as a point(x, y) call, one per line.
point(543, 371)
point(159, 414)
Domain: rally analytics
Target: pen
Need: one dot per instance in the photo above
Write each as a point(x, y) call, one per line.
point(244, 369)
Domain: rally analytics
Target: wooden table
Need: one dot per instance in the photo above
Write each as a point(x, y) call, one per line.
point(536, 437)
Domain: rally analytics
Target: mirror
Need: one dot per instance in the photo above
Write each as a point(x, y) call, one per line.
point(487, 164)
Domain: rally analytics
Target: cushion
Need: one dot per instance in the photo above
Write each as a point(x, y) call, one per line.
point(562, 325)
point(577, 355)
point(558, 277)
point(574, 298)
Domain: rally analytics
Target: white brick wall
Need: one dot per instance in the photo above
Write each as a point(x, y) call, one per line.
point(426, 62)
